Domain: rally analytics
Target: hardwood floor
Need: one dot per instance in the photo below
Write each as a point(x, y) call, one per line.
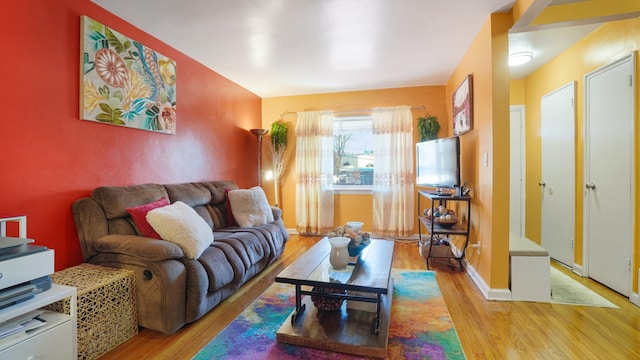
point(487, 329)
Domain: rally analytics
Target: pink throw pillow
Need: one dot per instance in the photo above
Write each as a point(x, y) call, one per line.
point(139, 215)
point(231, 221)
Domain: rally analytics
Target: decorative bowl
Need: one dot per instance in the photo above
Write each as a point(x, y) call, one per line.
point(355, 225)
point(355, 250)
point(445, 220)
point(446, 223)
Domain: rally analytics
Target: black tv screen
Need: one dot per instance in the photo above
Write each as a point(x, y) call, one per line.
point(438, 163)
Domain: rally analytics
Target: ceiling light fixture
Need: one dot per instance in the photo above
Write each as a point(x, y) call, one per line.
point(520, 58)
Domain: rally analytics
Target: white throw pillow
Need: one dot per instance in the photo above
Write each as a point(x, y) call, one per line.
point(250, 207)
point(182, 225)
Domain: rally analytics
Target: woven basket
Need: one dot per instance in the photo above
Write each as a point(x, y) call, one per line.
point(325, 303)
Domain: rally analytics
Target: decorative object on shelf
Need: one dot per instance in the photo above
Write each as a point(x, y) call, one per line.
point(327, 303)
point(124, 82)
point(339, 256)
point(259, 133)
point(463, 107)
point(279, 131)
point(428, 127)
point(355, 225)
point(358, 240)
point(441, 216)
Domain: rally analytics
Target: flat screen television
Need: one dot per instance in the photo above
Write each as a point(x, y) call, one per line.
point(438, 163)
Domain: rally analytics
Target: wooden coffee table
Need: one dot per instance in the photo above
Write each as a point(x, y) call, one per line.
point(367, 281)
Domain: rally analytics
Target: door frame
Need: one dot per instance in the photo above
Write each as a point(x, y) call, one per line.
point(585, 214)
point(520, 109)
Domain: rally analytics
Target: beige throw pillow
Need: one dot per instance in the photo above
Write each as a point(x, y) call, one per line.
point(181, 224)
point(250, 207)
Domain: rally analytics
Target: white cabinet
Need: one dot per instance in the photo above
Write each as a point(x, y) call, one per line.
point(57, 339)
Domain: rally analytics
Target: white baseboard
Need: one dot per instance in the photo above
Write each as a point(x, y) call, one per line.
point(488, 293)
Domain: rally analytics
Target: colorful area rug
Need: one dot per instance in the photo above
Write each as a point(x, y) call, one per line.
point(421, 327)
point(565, 290)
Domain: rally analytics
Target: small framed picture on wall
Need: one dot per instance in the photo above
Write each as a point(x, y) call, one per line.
point(463, 107)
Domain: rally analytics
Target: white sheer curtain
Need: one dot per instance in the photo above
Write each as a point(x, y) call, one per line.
point(314, 172)
point(393, 180)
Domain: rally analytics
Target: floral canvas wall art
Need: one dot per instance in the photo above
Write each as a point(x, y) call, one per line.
point(124, 82)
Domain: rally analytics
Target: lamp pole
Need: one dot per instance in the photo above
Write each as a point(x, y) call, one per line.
point(259, 133)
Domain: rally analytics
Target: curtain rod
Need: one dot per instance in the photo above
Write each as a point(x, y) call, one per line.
point(287, 113)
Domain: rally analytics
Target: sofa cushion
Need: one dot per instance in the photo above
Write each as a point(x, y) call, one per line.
point(250, 207)
point(116, 199)
point(222, 266)
point(218, 207)
point(143, 248)
point(195, 195)
point(139, 215)
point(181, 225)
point(230, 220)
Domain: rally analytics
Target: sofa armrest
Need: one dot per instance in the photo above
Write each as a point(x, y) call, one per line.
point(139, 246)
point(277, 213)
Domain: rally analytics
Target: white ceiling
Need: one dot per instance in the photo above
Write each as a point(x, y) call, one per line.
point(294, 47)
point(544, 45)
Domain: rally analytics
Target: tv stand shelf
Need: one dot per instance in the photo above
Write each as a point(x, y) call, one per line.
point(436, 242)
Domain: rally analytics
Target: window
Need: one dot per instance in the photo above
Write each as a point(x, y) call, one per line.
point(353, 157)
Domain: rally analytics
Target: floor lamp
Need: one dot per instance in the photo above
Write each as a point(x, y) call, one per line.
point(259, 133)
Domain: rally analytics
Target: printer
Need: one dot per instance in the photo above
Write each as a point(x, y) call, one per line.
point(25, 270)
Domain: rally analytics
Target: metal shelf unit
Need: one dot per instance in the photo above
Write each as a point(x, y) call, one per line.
point(430, 242)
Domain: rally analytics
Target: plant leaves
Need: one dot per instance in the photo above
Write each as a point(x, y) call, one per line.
point(104, 91)
point(105, 107)
point(114, 41)
point(110, 119)
point(428, 127)
point(279, 134)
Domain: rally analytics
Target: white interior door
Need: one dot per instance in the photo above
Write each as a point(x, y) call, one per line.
point(516, 166)
point(608, 177)
point(558, 173)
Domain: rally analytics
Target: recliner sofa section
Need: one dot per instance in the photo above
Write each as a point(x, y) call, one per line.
point(173, 290)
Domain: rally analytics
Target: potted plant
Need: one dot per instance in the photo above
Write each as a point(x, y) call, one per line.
point(428, 127)
point(278, 146)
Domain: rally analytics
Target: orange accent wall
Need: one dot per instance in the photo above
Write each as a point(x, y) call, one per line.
point(486, 60)
point(347, 206)
point(51, 158)
point(606, 44)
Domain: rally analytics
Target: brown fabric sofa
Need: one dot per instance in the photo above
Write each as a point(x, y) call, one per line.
point(171, 289)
